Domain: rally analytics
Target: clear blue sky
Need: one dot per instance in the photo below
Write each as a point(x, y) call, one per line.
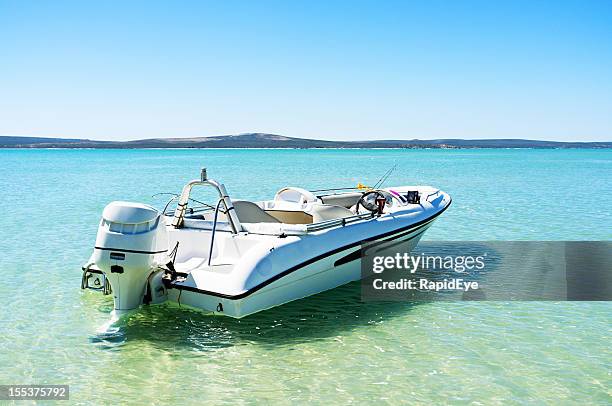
point(330, 69)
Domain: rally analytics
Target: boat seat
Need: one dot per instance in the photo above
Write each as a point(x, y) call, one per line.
point(291, 216)
point(249, 212)
point(324, 212)
point(343, 199)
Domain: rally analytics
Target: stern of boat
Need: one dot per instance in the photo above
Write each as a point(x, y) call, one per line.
point(131, 246)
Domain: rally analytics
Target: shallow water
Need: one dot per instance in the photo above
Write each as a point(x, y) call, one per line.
point(328, 346)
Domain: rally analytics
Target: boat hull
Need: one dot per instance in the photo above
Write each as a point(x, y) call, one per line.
point(328, 272)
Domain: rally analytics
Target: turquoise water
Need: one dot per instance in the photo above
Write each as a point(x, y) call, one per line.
point(331, 346)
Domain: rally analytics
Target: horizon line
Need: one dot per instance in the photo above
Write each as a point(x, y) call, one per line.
point(301, 138)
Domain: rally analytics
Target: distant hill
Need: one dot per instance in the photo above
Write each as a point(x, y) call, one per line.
point(261, 140)
point(8, 142)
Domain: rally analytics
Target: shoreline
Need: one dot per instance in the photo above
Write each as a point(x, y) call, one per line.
point(304, 148)
point(273, 141)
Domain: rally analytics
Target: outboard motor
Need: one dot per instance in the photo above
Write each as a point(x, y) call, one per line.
point(132, 242)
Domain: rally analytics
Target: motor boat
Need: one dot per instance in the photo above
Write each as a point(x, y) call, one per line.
point(238, 257)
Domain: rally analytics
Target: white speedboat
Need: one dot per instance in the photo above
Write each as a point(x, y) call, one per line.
point(238, 257)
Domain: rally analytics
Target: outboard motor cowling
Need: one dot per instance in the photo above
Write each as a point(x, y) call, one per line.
point(132, 241)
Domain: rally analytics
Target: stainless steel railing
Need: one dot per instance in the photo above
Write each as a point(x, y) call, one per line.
point(338, 222)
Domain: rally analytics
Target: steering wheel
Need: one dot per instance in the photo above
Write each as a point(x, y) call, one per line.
point(369, 201)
